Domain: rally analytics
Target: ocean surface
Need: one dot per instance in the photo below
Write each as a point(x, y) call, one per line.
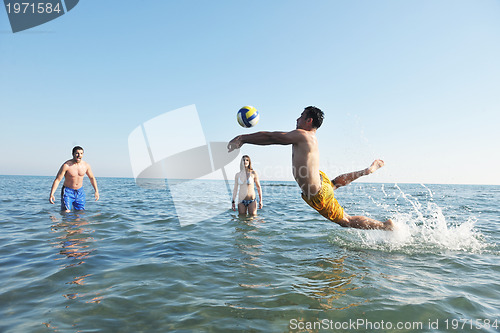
point(127, 264)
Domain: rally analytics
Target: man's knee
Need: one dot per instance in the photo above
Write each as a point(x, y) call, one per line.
point(337, 182)
point(343, 222)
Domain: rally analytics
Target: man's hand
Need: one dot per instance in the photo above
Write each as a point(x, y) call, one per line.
point(235, 143)
point(96, 195)
point(52, 200)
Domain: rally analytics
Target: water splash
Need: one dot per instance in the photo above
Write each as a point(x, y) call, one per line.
point(421, 226)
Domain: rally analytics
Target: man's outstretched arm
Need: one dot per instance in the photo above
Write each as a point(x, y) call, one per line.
point(264, 139)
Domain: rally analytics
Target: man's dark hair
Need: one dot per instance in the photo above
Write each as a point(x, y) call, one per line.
point(316, 114)
point(75, 149)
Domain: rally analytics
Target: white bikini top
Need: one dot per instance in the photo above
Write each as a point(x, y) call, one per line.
point(249, 180)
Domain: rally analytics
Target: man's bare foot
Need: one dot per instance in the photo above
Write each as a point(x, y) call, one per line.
point(388, 225)
point(377, 164)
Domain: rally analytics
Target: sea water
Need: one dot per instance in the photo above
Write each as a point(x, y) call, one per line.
point(127, 265)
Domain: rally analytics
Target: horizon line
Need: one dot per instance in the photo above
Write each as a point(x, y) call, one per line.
point(266, 180)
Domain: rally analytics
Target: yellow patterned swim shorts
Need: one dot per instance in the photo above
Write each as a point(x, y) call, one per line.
point(324, 201)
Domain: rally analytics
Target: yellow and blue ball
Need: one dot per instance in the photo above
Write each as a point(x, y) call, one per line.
point(248, 116)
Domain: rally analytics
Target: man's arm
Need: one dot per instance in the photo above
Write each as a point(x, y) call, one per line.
point(55, 184)
point(93, 181)
point(266, 138)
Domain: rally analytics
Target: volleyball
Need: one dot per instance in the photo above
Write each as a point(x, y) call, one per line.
point(248, 116)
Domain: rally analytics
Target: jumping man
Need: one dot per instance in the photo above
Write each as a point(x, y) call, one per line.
point(317, 189)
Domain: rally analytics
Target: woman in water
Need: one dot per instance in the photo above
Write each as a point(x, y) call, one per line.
point(245, 180)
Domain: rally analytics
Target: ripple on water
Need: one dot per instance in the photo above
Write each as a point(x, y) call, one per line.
point(129, 266)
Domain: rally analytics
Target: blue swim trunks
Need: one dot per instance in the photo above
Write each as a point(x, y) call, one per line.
point(71, 197)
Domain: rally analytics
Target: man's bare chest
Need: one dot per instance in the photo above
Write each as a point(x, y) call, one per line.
point(76, 171)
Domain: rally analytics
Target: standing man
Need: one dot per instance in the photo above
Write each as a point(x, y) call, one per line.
point(73, 171)
point(317, 189)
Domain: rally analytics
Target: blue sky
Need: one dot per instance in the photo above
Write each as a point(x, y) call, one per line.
point(415, 83)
